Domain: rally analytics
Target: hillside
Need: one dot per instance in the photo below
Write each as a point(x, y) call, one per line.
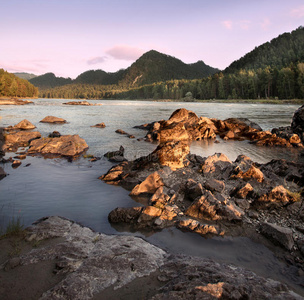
point(156, 67)
point(149, 68)
point(13, 86)
point(280, 52)
point(26, 76)
point(49, 80)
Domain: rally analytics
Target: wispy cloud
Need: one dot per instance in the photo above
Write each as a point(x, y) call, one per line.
point(265, 24)
point(32, 66)
point(124, 52)
point(227, 24)
point(298, 12)
point(97, 60)
point(245, 24)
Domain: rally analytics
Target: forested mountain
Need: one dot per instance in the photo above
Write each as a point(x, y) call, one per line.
point(149, 68)
point(49, 80)
point(154, 67)
point(280, 52)
point(26, 76)
point(13, 86)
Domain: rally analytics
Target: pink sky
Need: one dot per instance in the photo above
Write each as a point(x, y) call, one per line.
point(68, 37)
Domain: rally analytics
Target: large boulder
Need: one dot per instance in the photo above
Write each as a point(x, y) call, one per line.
point(53, 120)
point(20, 139)
point(297, 124)
point(69, 146)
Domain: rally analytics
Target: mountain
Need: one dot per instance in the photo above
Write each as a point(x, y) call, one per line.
point(49, 80)
point(280, 52)
point(149, 68)
point(26, 76)
point(13, 86)
point(155, 67)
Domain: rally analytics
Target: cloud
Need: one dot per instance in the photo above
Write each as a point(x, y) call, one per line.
point(97, 60)
point(124, 52)
point(31, 66)
point(245, 24)
point(298, 12)
point(265, 24)
point(227, 24)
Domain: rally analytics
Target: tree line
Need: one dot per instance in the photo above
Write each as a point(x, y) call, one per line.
point(12, 86)
point(286, 83)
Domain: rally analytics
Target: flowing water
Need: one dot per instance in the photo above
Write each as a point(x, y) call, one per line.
point(72, 190)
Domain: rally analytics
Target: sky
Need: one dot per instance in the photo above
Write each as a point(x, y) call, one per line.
point(68, 37)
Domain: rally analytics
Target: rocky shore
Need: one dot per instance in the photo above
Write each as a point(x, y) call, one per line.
point(60, 259)
point(14, 101)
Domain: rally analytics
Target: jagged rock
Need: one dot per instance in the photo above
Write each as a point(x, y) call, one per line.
point(252, 173)
point(55, 134)
point(25, 125)
point(193, 189)
point(148, 186)
point(116, 156)
point(195, 226)
point(53, 120)
point(214, 185)
point(20, 139)
point(69, 146)
point(215, 164)
point(297, 122)
point(278, 234)
point(100, 125)
point(174, 133)
point(125, 215)
point(242, 191)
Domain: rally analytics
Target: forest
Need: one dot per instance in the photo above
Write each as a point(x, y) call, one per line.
point(13, 86)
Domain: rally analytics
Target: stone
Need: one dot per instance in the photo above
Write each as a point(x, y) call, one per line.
point(14, 101)
point(25, 125)
point(125, 215)
point(2, 173)
point(216, 163)
point(100, 125)
point(214, 185)
point(116, 156)
point(195, 226)
point(20, 139)
point(278, 196)
point(176, 133)
point(16, 164)
point(243, 191)
point(53, 120)
point(278, 234)
point(252, 173)
point(193, 189)
point(297, 122)
point(148, 186)
point(149, 213)
point(69, 146)
point(55, 134)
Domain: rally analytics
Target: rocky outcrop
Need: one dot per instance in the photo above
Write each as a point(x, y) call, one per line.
point(83, 103)
point(24, 125)
point(14, 101)
point(75, 262)
point(69, 146)
point(185, 125)
point(19, 139)
point(116, 156)
point(297, 124)
point(53, 120)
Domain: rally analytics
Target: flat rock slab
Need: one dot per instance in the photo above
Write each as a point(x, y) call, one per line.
point(78, 263)
point(65, 145)
point(20, 139)
point(52, 119)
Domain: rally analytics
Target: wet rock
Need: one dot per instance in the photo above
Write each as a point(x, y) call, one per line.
point(55, 134)
point(125, 215)
point(116, 156)
point(216, 164)
point(16, 164)
point(214, 185)
point(25, 125)
point(120, 131)
point(69, 146)
point(297, 122)
point(83, 103)
point(53, 120)
point(100, 125)
point(278, 234)
point(252, 173)
point(197, 227)
point(2, 173)
point(174, 133)
point(20, 139)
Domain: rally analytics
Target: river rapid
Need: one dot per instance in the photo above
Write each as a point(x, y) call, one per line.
point(72, 190)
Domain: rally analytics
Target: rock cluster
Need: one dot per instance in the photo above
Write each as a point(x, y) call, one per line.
point(83, 103)
point(86, 265)
point(14, 101)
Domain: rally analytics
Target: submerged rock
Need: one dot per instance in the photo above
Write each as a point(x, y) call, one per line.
point(116, 156)
point(69, 146)
point(100, 125)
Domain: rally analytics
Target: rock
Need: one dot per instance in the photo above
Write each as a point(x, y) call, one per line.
point(148, 186)
point(243, 191)
point(2, 173)
point(214, 185)
point(297, 122)
point(195, 226)
point(55, 134)
point(53, 120)
point(252, 173)
point(116, 156)
point(100, 125)
point(278, 234)
point(278, 196)
point(16, 164)
point(69, 146)
point(84, 103)
point(120, 131)
point(20, 139)
point(216, 164)
point(193, 189)
point(125, 215)
point(25, 125)
point(148, 214)
point(175, 133)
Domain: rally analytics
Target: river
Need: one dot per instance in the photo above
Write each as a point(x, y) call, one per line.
point(72, 190)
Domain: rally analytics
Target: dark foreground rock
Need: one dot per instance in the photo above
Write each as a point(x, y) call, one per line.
point(69, 261)
point(70, 146)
